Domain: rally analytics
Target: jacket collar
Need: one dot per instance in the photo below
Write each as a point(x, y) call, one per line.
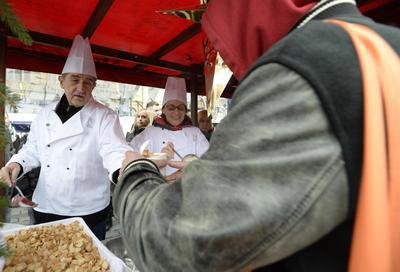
point(64, 110)
point(163, 123)
point(73, 126)
point(324, 10)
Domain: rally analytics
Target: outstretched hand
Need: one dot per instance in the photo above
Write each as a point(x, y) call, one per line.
point(129, 157)
point(180, 165)
point(9, 173)
point(133, 155)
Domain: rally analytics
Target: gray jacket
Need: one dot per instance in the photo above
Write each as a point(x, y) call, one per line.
point(257, 196)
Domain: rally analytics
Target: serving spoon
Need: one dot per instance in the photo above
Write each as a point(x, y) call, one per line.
point(24, 202)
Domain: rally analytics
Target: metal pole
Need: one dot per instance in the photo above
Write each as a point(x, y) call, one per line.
point(193, 100)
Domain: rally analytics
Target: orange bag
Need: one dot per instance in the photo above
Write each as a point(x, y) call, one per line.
point(376, 237)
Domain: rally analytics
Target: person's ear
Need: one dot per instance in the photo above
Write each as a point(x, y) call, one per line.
point(61, 80)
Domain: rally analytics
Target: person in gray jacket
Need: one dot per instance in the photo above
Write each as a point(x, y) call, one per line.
point(279, 195)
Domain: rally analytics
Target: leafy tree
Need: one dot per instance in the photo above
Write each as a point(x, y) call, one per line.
point(9, 19)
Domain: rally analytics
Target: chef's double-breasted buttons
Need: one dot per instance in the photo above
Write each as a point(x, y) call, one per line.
point(70, 149)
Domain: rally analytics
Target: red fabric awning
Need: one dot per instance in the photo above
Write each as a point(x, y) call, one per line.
point(132, 41)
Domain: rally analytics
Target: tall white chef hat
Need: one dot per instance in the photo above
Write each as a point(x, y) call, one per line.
point(175, 89)
point(80, 59)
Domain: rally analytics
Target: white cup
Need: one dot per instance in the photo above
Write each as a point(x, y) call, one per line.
point(159, 156)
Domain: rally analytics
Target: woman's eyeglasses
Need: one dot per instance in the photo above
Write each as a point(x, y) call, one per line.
point(170, 107)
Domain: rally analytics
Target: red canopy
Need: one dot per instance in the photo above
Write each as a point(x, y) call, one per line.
point(131, 40)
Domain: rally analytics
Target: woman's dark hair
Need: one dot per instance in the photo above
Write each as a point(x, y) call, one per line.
point(151, 104)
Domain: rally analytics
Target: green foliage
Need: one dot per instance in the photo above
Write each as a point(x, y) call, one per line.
point(12, 100)
point(9, 98)
point(8, 17)
point(4, 204)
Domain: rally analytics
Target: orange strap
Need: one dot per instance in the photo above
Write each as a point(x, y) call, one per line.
point(376, 238)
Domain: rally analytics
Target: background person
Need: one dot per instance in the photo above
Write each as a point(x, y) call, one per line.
point(205, 123)
point(154, 107)
point(78, 143)
point(143, 119)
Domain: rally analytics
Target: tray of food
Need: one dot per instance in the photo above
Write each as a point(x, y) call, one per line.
point(63, 245)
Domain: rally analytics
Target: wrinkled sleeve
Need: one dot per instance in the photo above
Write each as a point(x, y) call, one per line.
point(201, 143)
point(28, 155)
point(112, 142)
point(271, 183)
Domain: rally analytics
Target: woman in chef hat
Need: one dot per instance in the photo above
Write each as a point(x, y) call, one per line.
point(173, 132)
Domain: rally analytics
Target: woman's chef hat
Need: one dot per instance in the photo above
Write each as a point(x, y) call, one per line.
point(175, 89)
point(80, 59)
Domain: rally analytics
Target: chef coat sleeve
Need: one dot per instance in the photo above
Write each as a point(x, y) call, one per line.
point(201, 143)
point(112, 142)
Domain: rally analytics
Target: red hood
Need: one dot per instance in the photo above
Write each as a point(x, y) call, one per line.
point(241, 31)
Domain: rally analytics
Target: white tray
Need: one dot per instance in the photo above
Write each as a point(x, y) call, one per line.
point(116, 264)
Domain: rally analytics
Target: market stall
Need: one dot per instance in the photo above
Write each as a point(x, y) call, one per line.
point(152, 46)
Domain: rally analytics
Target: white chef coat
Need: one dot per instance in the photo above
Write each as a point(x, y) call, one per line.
point(76, 158)
point(189, 140)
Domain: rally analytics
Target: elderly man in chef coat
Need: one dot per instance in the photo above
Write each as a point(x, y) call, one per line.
point(79, 145)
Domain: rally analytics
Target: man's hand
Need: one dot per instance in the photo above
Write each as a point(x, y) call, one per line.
point(174, 177)
point(15, 201)
point(9, 173)
point(180, 165)
point(160, 163)
point(129, 157)
point(133, 155)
